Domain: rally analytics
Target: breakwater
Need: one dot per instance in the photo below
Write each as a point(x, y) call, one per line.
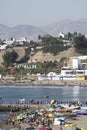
point(12, 107)
point(19, 107)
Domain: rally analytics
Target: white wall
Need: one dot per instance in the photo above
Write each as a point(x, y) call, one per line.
point(75, 63)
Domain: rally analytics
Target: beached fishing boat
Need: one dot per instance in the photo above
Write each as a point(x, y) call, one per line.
point(81, 112)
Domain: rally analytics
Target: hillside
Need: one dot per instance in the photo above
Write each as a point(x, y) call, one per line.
point(20, 51)
point(39, 56)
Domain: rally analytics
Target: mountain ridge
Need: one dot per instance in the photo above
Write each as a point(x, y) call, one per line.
point(32, 32)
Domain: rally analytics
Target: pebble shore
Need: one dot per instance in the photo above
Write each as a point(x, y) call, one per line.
point(47, 83)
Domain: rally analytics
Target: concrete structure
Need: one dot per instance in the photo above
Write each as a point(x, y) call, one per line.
point(3, 47)
point(62, 35)
point(75, 63)
point(73, 72)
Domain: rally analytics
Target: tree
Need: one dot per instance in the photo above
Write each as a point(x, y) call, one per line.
point(75, 34)
point(10, 58)
point(39, 37)
point(81, 44)
point(54, 46)
point(69, 36)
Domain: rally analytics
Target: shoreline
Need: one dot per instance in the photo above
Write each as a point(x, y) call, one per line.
point(47, 83)
point(81, 120)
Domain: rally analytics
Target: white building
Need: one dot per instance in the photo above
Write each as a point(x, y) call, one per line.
point(50, 74)
point(75, 63)
point(3, 47)
point(9, 42)
point(73, 72)
point(61, 34)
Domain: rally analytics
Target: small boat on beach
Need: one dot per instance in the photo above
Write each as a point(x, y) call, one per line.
point(81, 112)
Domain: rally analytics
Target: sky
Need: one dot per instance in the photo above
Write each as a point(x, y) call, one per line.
point(40, 12)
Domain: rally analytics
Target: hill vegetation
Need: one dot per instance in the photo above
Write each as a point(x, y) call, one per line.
point(51, 55)
point(54, 46)
point(81, 44)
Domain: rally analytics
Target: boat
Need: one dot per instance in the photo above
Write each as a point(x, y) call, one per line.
point(81, 112)
point(76, 87)
point(44, 96)
point(22, 100)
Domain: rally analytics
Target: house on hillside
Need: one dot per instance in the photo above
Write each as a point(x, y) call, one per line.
point(62, 35)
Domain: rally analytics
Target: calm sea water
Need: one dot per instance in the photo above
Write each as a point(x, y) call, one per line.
point(3, 116)
point(11, 94)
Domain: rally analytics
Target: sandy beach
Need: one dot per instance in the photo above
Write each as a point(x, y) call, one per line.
point(80, 121)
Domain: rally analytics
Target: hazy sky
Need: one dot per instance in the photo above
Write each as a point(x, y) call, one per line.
point(40, 12)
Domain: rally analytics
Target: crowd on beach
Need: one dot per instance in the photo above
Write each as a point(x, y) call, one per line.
point(37, 116)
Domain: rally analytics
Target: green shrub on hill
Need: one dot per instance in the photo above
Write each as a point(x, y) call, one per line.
point(9, 58)
point(54, 46)
point(81, 44)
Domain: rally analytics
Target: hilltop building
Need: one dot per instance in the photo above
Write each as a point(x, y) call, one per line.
point(62, 35)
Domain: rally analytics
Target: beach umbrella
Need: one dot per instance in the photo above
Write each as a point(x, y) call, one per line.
point(34, 112)
point(29, 128)
point(53, 101)
point(20, 117)
point(40, 113)
point(29, 118)
point(50, 109)
point(43, 128)
point(25, 116)
point(50, 115)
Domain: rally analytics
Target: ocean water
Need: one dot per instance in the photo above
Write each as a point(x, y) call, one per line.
point(3, 116)
point(12, 94)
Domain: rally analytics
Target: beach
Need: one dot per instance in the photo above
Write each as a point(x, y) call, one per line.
point(81, 121)
point(12, 122)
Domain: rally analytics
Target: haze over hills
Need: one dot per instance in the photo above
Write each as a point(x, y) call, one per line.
point(66, 26)
point(28, 31)
point(32, 32)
